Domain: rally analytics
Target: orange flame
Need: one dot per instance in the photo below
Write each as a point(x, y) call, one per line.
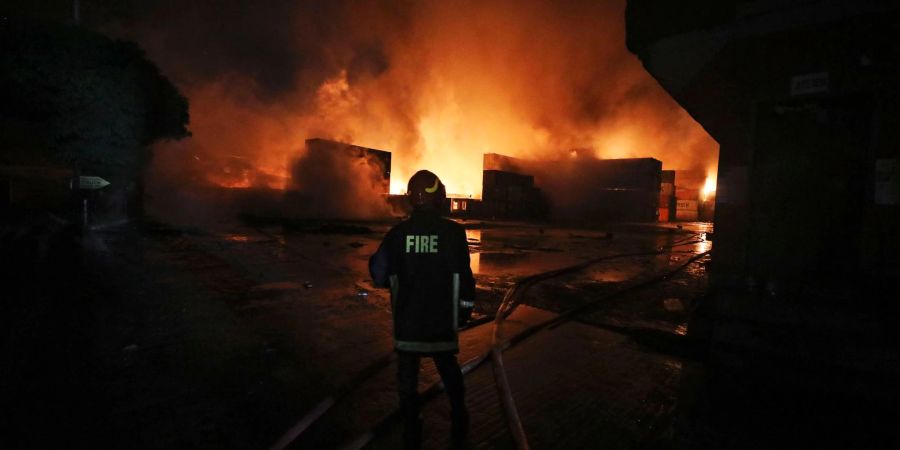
point(470, 81)
point(709, 187)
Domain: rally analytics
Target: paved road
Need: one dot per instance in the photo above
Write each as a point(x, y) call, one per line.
point(224, 337)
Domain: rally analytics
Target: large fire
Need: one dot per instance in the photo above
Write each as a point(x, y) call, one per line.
point(709, 187)
point(439, 84)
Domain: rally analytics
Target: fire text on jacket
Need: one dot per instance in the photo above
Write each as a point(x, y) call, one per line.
point(421, 244)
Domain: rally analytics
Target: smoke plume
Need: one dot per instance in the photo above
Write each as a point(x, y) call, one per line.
point(437, 83)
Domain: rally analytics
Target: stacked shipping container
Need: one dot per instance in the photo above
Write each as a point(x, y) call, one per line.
point(580, 188)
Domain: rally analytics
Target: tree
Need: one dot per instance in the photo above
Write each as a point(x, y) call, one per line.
point(74, 96)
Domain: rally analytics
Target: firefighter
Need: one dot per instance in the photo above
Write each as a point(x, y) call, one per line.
point(424, 260)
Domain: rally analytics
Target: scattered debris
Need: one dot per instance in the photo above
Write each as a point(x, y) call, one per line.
point(673, 305)
point(307, 284)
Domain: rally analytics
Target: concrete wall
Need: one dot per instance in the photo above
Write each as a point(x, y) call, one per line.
point(801, 98)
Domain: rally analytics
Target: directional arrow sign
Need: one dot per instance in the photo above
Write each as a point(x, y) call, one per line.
point(92, 183)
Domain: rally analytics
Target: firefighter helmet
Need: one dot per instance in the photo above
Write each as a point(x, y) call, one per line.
point(425, 190)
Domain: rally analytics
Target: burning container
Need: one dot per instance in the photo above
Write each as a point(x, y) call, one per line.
point(352, 154)
point(339, 180)
point(687, 210)
point(689, 205)
point(585, 188)
point(667, 196)
point(510, 195)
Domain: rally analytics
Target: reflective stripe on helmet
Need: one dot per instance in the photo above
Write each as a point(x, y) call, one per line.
point(434, 188)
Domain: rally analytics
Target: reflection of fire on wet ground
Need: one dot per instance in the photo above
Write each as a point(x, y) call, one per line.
point(501, 254)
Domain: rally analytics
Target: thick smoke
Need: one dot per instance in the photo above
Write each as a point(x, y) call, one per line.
point(436, 83)
point(334, 181)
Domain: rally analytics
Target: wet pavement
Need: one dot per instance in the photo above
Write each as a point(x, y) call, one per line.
point(225, 336)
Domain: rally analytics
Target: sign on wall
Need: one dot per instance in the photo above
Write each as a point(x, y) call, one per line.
point(811, 83)
point(887, 182)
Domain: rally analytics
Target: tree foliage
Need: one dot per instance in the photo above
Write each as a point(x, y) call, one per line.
point(83, 99)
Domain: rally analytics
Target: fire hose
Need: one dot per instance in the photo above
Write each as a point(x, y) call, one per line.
point(508, 305)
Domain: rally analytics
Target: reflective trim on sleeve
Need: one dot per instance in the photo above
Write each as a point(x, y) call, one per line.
point(426, 347)
point(395, 290)
point(466, 304)
point(455, 300)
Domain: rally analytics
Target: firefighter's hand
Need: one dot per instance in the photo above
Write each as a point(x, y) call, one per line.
point(465, 311)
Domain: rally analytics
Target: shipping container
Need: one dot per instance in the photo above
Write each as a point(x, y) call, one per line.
point(667, 188)
point(587, 188)
point(687, 210)
point(690, 179)
point(686, 215)
point(353, 154)
point(687, 193)
point(706, 210)
point(667, 176)
point(663, 215)
point(664, 200)
point(510, 195)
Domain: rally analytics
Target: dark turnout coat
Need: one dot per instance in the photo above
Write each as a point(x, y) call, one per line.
point(425, 262)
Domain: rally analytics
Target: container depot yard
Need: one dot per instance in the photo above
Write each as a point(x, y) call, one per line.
point(236, 332)
point(240, 225)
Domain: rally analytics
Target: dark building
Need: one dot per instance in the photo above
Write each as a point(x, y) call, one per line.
point(42, 187)
point(464, 206)
point(804, 100)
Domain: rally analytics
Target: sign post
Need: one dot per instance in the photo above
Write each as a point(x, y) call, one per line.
point(89, 183)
